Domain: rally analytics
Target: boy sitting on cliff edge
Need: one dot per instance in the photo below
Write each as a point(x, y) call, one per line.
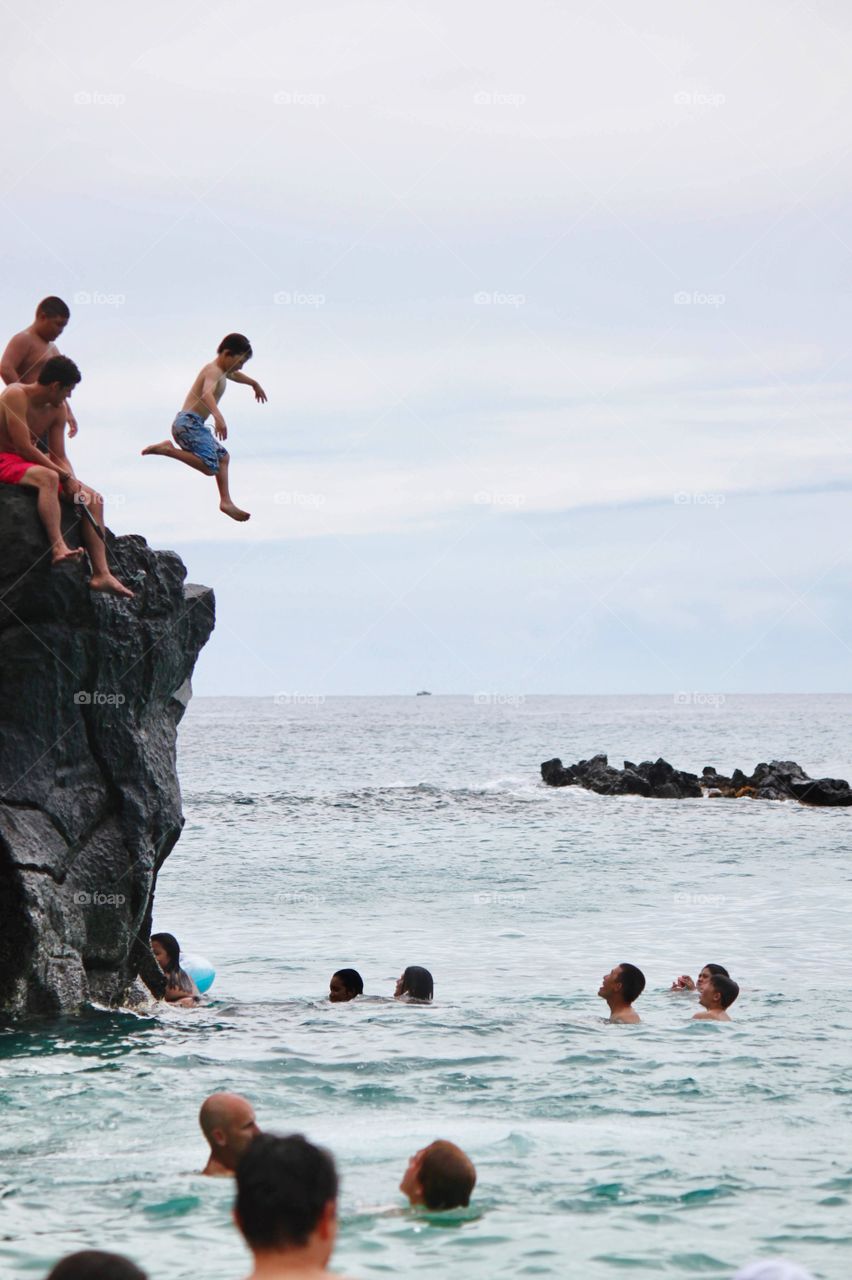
point(196, 444)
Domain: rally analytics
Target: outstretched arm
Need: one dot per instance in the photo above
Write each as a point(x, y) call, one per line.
point(259, 393)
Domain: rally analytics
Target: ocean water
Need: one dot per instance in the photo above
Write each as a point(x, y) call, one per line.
point(381, 832)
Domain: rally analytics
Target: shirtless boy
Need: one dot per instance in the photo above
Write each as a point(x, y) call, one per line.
point(27, 353)
point(36, 410)
point(621, 986)
point(717, 996)
point(196, 445)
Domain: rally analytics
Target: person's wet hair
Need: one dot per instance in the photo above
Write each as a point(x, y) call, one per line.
point(283, 1185)
point(417, 983)
point(632, 982)
point(59, 369)
point(236, 344)
point(93, 1264)
point(725, 987)
point(53, 307)
point(717, 969)
point(171, 946)
point(351, 980)
point(447, 1177)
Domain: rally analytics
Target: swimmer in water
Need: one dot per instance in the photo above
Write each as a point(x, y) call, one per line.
point(415, 984)
point(439, 1176)
point(345, 984)
point(685, 983)
point(180, 988)
point(717, 996)
point(621, 986)
point(93, 1264)
point(228, 1123)
point(286, 1207)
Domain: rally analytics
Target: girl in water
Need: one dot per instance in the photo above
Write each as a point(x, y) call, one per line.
point(685, 983)
point(180, 988)
point(415, 984)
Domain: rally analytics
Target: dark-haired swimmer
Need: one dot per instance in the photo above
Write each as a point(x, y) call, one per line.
point(180, 988)
point(685, 983)
point(718, 995)
point(94, 1264)
point(345, 985)
point(620, 987)
point(415, 984)
point(286, 1207)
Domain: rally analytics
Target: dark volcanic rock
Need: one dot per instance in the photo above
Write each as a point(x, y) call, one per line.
point(92, 689)
point(651, 778)
point(780, 780)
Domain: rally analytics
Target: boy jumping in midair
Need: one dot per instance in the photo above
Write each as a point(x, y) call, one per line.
point(196, 444)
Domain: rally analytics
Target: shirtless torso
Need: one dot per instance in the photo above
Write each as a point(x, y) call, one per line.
point(23, 360)
point(211, 380)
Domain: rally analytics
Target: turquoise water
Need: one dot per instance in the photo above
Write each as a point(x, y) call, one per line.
point(383, 832)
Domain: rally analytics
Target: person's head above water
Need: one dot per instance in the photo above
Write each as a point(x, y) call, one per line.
point(228, 1123)
point(439, 1176)
point(166, 949)
point(415, 984)
point(773, 1269)
point(286, 1205)
point(345, 984)
point(708, 972)
point(719, 992)
point(621, 986)
point(93, 1264)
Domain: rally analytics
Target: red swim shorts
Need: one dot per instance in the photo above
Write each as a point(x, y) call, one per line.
point(13, 468)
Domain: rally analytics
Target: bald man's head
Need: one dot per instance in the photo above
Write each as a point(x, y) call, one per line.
point(228, 1123)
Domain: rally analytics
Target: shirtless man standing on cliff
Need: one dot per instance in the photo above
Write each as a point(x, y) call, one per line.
point(27, 353)
point(38, 410)
point(196, 445)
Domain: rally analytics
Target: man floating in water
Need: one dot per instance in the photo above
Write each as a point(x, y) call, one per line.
point(439, 1176)
point(29, 351)
point(195, 443)
point(228, 1123)
point(34, 411)
point(717, 996)
point(621, 986)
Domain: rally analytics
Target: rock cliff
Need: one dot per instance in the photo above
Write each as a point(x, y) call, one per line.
point(92, 690)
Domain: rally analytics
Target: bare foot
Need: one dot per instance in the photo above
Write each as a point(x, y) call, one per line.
point(106, 582)
point(61, 553)
point(231, 509)
point(165, 446)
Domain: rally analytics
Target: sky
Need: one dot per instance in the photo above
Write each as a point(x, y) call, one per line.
point(551, 303)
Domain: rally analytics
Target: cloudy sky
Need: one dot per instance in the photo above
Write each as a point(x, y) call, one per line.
point(551, 303)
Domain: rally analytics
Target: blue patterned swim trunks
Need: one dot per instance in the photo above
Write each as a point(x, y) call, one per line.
point(191, 434)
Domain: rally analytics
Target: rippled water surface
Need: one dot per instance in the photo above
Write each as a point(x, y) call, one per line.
point(390, 831)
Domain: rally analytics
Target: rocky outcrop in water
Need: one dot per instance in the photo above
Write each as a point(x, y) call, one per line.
point(92, 689)
point(780, 780)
